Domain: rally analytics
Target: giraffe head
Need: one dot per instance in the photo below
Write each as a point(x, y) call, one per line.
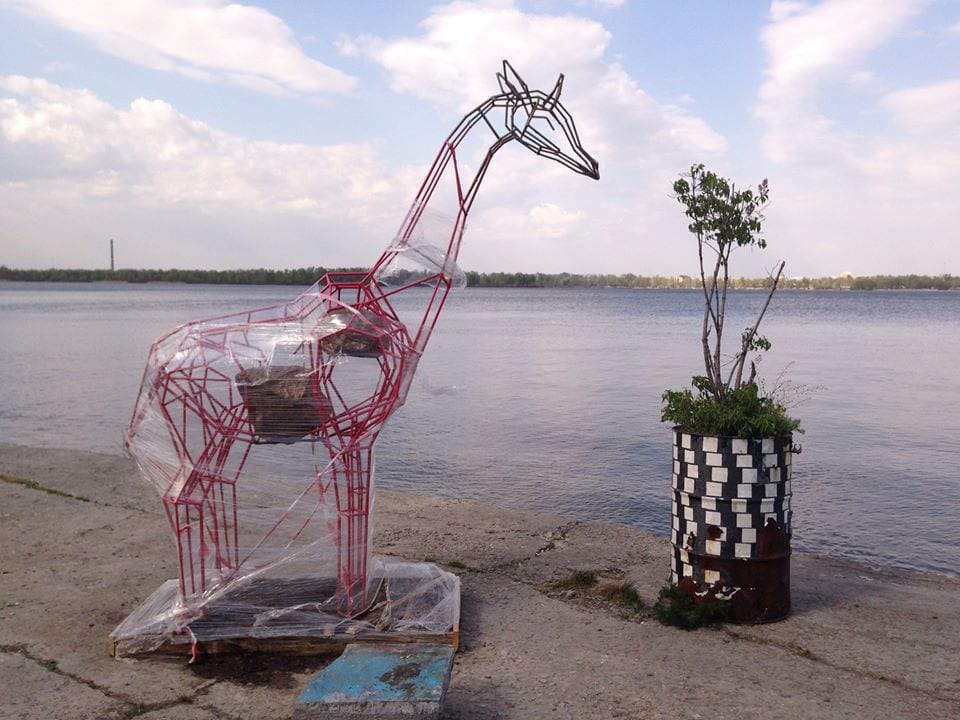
point(542, 124)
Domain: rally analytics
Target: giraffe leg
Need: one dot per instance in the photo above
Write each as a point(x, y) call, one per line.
point(354, 492)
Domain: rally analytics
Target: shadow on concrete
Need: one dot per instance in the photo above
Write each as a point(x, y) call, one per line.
point(258, 669)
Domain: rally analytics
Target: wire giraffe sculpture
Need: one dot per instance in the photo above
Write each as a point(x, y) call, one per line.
point(258, 428)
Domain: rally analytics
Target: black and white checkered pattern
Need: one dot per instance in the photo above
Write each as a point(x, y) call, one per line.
point(724, 492)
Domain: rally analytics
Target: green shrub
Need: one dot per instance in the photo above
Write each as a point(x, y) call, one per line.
point(681, 609)
point(739, 413)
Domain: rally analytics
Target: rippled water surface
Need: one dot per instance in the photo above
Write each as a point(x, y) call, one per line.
point(549, 399)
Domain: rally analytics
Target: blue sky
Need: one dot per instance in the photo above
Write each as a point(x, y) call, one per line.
point(284, 134)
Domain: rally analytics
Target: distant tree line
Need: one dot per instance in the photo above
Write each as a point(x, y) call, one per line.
point(907, 282)
point(306, 276)
point(630, 280)
point(259, 276)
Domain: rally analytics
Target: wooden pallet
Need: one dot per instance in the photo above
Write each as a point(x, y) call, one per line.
point(229, 624)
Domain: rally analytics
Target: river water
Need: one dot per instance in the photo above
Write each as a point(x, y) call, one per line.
point(548, 399)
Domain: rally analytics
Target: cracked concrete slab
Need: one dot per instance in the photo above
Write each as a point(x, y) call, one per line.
point(590, 664)
point(37, 690)
point(860, 643)
point(182, 711)
point(443, 530)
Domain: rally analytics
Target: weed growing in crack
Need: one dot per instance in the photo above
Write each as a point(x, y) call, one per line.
point(624, 595)
point(33, 485)
point(586, 585)
point(578, 580)
point(797, 650)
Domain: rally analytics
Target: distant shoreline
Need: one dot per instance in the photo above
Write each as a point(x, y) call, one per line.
point(307, 276)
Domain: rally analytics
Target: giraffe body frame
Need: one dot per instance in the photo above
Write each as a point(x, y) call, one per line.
point(258, 428)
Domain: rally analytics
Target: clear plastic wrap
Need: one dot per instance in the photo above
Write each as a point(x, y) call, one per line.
point(257, 429)
point(407, 601)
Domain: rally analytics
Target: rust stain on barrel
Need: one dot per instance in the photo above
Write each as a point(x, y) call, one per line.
point(763, 593)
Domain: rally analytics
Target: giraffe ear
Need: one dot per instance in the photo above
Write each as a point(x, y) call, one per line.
point(505, 85)
point(510, 81)
point(554, 95)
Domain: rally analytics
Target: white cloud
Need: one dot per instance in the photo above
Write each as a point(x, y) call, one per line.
point(811, 50)
point(852, 191)
point(808, 47)
point(926, 108)
point(640, 143)
point(783, 9)
point(204, 39)
point(346, 46)
point(862, 79)
point(71, 158)
point(553, 221)
point(450, 63)
point(55, 66)
point(603, 3)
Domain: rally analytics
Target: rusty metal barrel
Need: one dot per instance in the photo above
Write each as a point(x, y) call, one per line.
point(731, 522)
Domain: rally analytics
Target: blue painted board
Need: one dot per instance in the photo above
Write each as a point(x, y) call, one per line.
point(383, 673)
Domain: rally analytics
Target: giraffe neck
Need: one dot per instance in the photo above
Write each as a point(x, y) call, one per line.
point(441, 271)
point(466, 189)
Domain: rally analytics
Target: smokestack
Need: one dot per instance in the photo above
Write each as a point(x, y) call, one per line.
point(111, 254)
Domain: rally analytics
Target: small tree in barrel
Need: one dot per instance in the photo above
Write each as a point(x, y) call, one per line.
point(723, 218)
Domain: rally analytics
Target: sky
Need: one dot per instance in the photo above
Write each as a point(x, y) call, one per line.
point(204, 134)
